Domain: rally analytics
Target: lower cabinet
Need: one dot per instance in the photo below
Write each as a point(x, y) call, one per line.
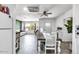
point(17, 41)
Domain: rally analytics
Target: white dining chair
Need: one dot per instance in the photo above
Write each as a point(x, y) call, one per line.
point(50, 43)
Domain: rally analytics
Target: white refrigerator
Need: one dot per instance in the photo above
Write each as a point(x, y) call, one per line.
point(6, 34)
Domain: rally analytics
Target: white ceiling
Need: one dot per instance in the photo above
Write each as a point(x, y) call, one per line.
point(55, 9)
point(59, 10)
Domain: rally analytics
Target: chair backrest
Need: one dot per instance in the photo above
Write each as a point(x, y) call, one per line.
point(51, 39)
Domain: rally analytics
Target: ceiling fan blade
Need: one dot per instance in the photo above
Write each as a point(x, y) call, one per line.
point(49, 13)
point(44, 15)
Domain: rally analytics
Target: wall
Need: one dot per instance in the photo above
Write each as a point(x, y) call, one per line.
point(23, 26)
point(60, 23)
point(52, 21)
point(75, 40)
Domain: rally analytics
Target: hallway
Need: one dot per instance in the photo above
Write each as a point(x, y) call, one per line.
point(28, 44)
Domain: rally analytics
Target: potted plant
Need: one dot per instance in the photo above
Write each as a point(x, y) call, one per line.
point(68, 25)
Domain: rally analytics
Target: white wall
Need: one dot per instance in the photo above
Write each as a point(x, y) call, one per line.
point(60, 23)
point(75, 40)
point(52, 22)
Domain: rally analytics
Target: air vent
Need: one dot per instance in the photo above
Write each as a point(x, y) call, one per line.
point(33, 9)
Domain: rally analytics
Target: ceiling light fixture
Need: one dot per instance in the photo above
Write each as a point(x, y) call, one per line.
point(25, 9)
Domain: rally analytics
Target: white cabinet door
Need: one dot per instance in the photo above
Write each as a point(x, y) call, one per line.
point(5, 21)
point(5, 41)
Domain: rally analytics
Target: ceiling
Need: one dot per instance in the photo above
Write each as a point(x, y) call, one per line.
point(24, 15)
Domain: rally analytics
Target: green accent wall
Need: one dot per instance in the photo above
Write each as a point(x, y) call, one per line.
point(18, 25)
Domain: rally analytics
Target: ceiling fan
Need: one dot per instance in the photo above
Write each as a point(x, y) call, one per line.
point(45, 13)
